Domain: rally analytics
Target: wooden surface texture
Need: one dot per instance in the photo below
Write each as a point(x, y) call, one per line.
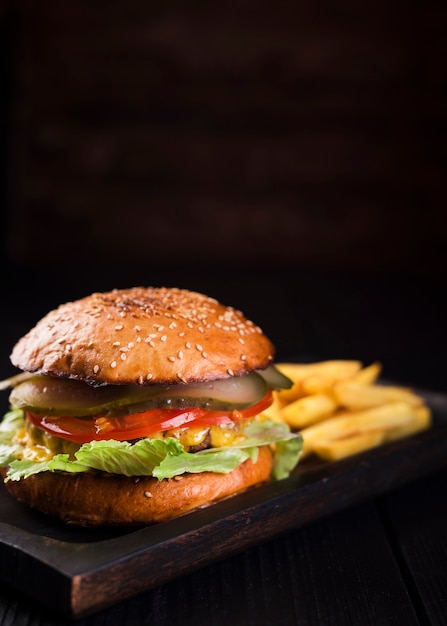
point(89, 573)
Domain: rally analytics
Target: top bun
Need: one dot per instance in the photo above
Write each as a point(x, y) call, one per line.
point(144, 335)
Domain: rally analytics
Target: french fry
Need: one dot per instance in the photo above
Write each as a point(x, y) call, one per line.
point(323, 373)
point(308, 410)
point(387, 416)
point(368, 375)
point(296, 372)
point(318, 383)
point(421, 421)
point(336, 449)
point(327, 374)
point(335, 369)
point(354, 396)
point(273, 412)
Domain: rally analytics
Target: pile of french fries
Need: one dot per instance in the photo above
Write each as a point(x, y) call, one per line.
point(341, 408)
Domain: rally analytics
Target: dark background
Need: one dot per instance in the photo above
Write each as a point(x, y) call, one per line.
point(288, 159)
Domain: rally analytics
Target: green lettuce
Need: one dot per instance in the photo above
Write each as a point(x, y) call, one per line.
point(12, 421)
point(155, 457)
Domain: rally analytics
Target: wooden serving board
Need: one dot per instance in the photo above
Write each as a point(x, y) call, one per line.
point(80, 571)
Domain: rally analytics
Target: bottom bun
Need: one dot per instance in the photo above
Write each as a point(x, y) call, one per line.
point(99, 499)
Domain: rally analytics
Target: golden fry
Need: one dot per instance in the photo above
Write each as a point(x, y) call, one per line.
point(317, 383)
point(273, 412)
point(324, 373)
point(348, 423)
point(368, 375)
point(308, 410)
point(336, 449)
point(355, 397)
point(421, 421)
point(296, 372)
point(334, 369)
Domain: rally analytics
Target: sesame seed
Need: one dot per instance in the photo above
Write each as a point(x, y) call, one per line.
point(181, 377)
point(199, 347)
point(152, 344)
point(148, 494)
point(163, 338)
point(243, 357)
point(137, 328)
point(204, 354)
point(138, 339)
point(241, 340)
point(130, 344)
point(119, 327)
point(149, 376)
point(116, 343)
point(182, 334)
point(96, 369)
point(123, 356)
point(113, 364)
point(230, 372)
point(180, 354)
point(171, 358)
point(172, 325)
point(188, 344)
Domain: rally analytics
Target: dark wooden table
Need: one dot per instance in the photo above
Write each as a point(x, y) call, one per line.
point(379, 561)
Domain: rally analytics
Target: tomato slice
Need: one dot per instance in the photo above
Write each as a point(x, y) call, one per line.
point(84, 429)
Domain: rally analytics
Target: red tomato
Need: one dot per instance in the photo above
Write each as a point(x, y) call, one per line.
point(84, 429)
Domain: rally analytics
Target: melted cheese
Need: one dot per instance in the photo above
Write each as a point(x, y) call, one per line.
point(38, 445)
point(31, 451)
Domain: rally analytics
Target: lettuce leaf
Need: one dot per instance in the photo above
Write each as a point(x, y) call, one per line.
point(287, 446)
point(220, 460)
point(12, 421)
point(155, 457)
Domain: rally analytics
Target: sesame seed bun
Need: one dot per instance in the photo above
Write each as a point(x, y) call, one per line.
point(98, 499)
point(143, 336)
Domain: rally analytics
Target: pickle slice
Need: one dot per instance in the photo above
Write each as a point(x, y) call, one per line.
point(237, 392)
point(275, 379)
point(59, 396)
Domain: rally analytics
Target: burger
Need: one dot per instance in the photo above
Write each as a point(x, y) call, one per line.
point(135, 406)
